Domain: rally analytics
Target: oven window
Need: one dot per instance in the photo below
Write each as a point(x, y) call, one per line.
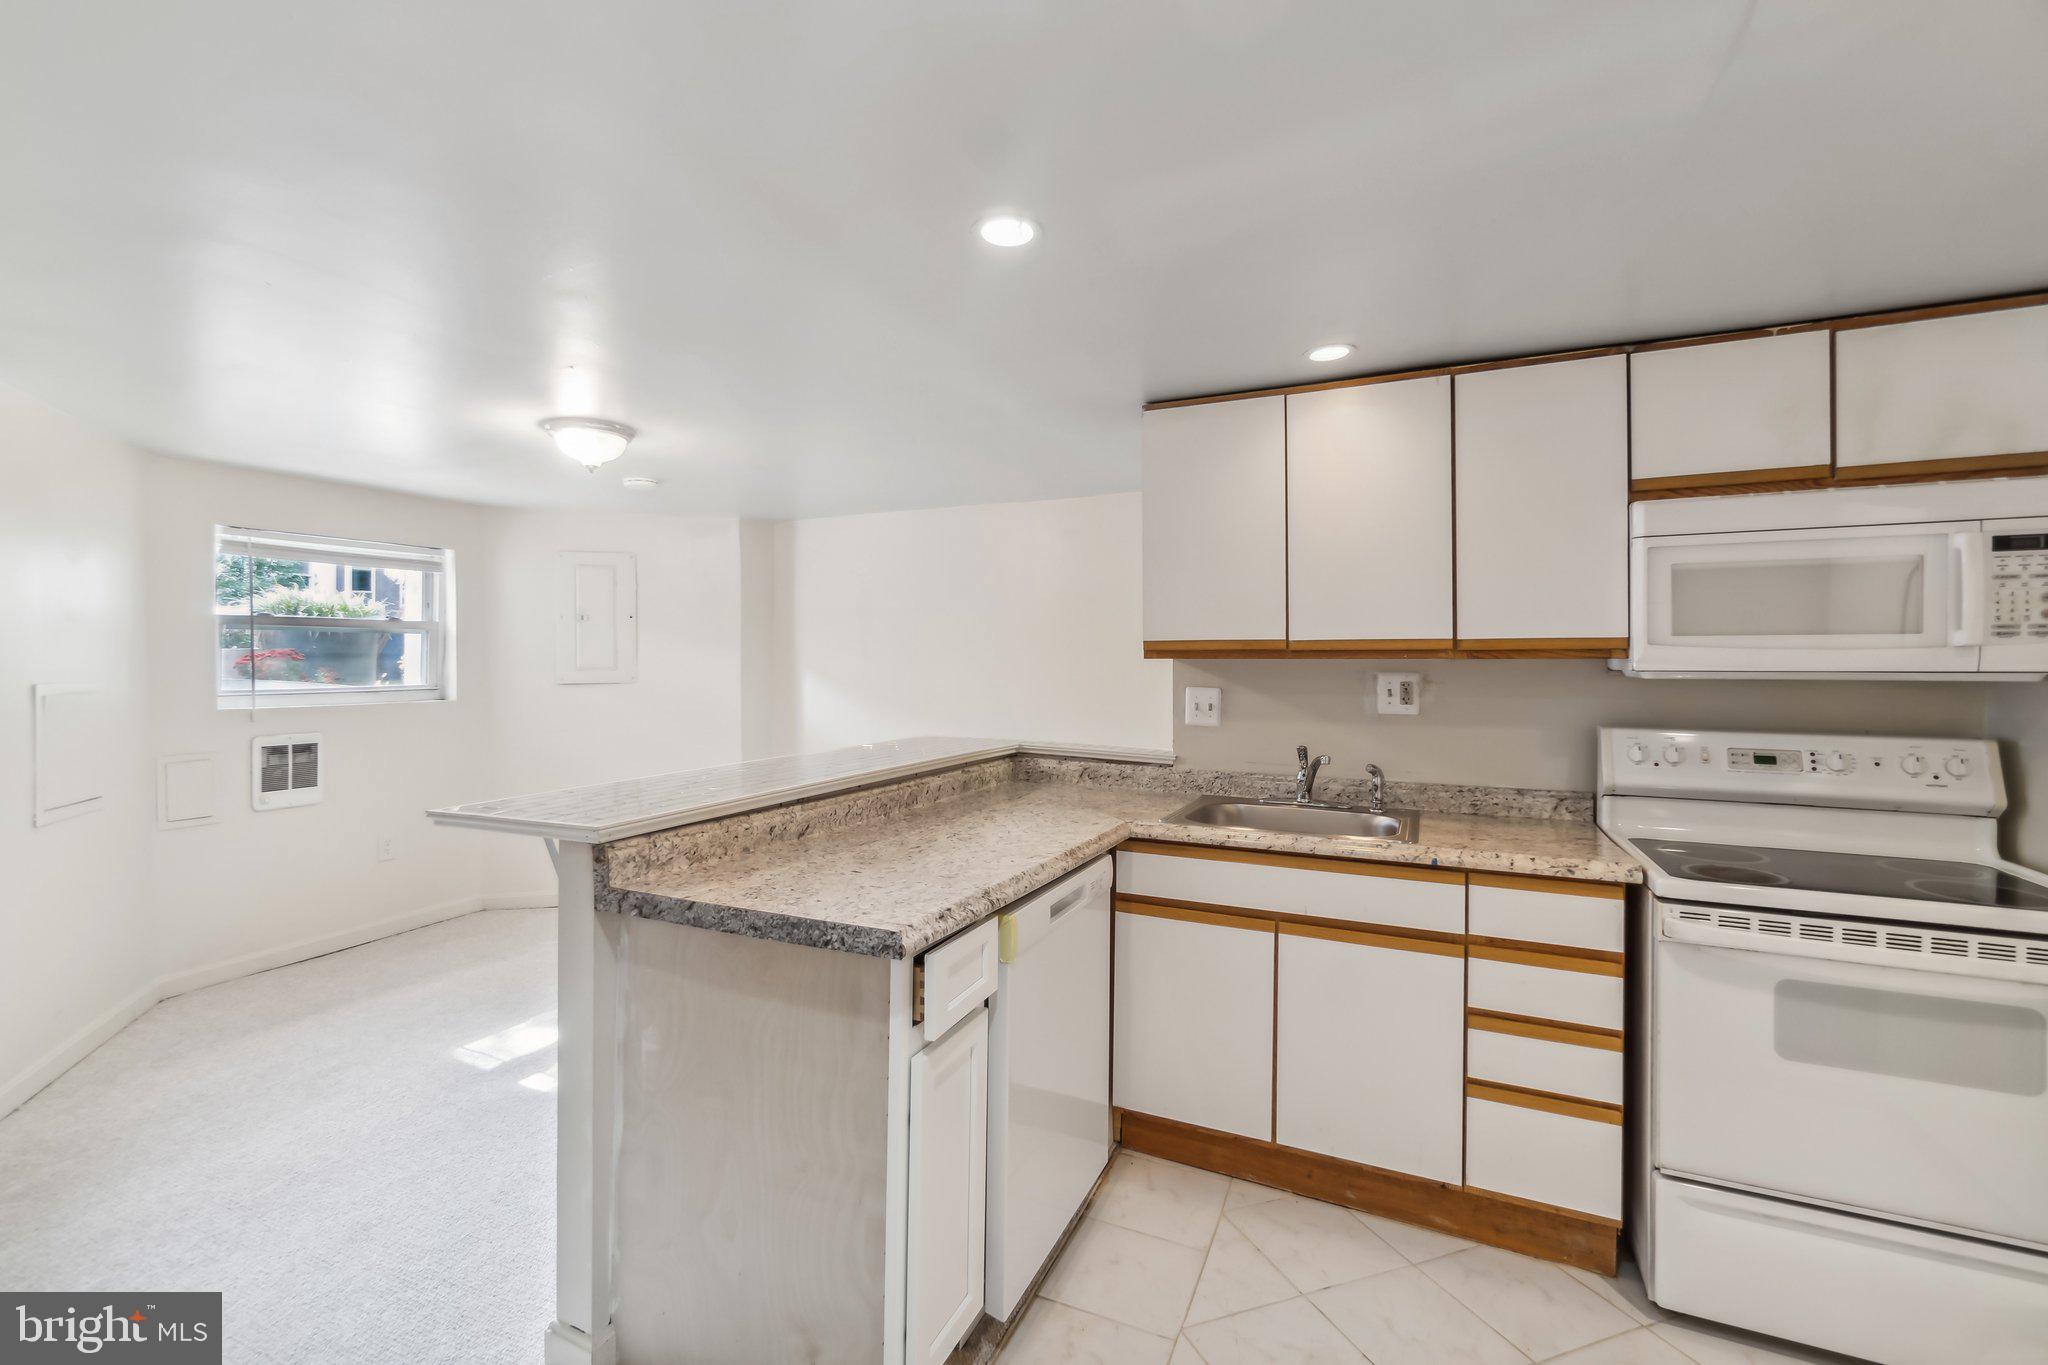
point(1970, 1043)
point(1806, 597)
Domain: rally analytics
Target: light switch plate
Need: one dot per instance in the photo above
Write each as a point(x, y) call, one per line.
point(1398, 694)
point(1204, 706)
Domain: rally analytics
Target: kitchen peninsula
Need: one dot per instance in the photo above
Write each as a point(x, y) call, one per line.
point(745, 953)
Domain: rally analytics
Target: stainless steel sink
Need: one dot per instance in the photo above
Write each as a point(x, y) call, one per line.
point(1291, 817)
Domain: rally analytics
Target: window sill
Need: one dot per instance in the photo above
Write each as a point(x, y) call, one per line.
point(337, 697)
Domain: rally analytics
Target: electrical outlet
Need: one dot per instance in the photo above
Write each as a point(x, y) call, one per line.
point(387, 848)
point(1398, 694)
point(1204, 706)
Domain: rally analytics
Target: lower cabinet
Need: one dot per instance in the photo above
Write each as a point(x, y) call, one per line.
point(1542, 1148)
point(948, 1188)
point(1371, 1049)
point(1194, 1018)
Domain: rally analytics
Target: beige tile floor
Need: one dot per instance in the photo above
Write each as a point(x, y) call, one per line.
point(1175, 1266)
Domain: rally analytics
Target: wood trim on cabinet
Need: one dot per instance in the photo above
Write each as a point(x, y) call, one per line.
point(1309, 861)
point(1581, 1239)
point(1921, 471)
point(1221, 919)
point(1734, 480)
point(1215, 649)
point(1473, 1012)
point(1393, 649)
point(1546, 955)
point(1515, 881)
point(1522, 1097)
point(1369, 938)
point(1546, 647)
point(1838, 324)
point(1139, 905)
point(1578, 1035)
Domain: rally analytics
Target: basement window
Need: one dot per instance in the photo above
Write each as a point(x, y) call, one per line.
point(303, 620)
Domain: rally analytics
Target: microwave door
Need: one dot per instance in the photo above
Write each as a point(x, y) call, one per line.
point(1864, 599)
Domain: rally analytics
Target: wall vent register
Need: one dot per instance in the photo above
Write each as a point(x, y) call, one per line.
point(285, 770)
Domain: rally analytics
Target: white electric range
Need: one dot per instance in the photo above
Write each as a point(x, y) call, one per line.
point(1844, 993)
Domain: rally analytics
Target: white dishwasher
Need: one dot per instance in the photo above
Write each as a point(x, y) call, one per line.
point(1048, 1094)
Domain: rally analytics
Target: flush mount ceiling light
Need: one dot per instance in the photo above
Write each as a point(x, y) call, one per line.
point(1336, 350)
point(640, 483)
point(1007, 229)
point(589, 441)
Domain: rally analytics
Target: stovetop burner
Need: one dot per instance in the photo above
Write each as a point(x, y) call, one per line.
point(1852, 874)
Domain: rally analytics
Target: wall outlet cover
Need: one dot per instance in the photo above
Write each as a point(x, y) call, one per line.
point(1204, 706)
point(1398, 694)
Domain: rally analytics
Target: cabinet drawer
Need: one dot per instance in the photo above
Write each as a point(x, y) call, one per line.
point(1363, 893)
point(1566, 1160)
point(1573, 990)
point(1573, 914)
point(1587, 1065)
point(958, 975)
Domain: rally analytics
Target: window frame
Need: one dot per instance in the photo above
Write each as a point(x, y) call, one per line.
point(437, 626)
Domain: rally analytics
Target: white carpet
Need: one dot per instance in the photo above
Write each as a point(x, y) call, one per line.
point(309, 1142)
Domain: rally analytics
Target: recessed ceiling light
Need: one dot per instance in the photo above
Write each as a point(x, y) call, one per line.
point(1336, 350)
point(640, 483)
point(1007, 229)
point(589, 441)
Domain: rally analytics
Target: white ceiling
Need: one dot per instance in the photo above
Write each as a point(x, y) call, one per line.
point(378, 241)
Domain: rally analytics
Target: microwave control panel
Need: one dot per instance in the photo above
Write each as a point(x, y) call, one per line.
point(2019, 586)
point(1959, 776)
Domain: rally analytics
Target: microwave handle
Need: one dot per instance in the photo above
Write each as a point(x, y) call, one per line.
point(1970, 578)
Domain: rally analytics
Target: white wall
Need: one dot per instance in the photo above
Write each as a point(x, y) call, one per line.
point(1014, 620)
point(1526, 723)
point(75, 953)
point(262, 887)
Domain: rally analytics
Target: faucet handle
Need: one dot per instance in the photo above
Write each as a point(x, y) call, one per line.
point(1301, 754)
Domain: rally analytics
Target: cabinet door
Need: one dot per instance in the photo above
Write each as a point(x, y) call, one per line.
point(1194, 1019)
point(948, 1189)
point(1755, 410)
point(1215, 537)
point(1970, 388)
point(1542, 478)
point(1369, 516)
point(1372, 1050)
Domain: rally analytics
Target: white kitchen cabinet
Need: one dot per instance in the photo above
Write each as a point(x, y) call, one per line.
point(1369, 516)
point(1193, 1036)
point(1371, 1050)
point(1759, 407)
point(1560, 1153)
point(1972, 386)
point(1542, 510)
point(948, 1189)
point(1215, 526)
point(1383, 894)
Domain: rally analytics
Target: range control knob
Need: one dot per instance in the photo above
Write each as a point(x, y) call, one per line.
point(1636, 752)
point(1957, 766)
point(1674, 754)
point(1912, 765)
point(1836, 761)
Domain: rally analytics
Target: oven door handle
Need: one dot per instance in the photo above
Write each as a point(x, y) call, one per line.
point(1969, 584)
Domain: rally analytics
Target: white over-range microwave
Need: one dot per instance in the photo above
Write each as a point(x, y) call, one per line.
point(1939, 581)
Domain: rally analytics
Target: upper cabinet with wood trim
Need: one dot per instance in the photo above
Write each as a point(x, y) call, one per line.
point(1542, 510)
point(1369, 517)
point(1215, 538)
point(1950, 393)
point(1749, 411)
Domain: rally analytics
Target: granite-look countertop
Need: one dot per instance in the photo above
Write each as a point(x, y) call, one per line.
point(894, 887)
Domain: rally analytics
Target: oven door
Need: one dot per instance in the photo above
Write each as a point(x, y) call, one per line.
point(1920, 1095)
point(1859, 599)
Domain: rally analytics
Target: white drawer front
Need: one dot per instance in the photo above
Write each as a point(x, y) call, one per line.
point(1568, 918)
point(1360, 897)
point(1591, 1073)
point(958, 975)
point(1571, 997)
point(1557, 1159)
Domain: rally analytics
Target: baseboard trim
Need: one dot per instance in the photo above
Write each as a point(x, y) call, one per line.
point(566, 1345)
point(250, 963)
point(1497, 1220)
point(73, 1050)
point(520, 900)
